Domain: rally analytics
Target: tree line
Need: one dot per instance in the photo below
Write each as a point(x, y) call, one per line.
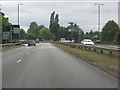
point(110, 32)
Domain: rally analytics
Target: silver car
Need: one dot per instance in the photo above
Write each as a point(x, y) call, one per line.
point(31, 43)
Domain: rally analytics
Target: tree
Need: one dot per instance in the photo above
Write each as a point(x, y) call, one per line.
point(96, 35)
point(5, 26)
point(54, 26)
point(23, 34)
point(57, 18)
point(81, 36)
point(55, 30)
point(62, 32)
point(5, 22)
point(109, 31)
point(45, 33)
point(76, 32)
point(32, 28)
point(91, 33)
point(117, 37)
point(38, 29)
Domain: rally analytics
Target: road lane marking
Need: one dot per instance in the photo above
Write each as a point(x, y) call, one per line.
point(19, 61)
point(45, 47)
point(28, 53)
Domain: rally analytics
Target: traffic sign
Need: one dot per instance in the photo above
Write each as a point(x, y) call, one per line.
point(15, 32)
point(6, 35)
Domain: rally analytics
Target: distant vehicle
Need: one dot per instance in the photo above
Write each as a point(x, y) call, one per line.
point(63, 40)
point(87, 42)
point(97, 41)
point(67, 41)
point(31, 43)
point(37, 40)
point(23, 41)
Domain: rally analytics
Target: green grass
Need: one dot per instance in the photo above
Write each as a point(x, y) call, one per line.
point(0, 49)
point(106, 62)
point(10, 47)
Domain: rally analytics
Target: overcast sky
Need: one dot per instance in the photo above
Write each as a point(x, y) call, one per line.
point(83, 13)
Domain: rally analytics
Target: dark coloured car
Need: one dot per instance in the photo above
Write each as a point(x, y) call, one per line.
point(31, 43)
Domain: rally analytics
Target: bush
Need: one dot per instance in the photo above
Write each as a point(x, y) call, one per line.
point(117, 38)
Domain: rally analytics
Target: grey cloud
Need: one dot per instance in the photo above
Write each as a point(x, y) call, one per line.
point(83, 13)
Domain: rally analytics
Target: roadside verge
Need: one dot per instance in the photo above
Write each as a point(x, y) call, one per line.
point(107, 63)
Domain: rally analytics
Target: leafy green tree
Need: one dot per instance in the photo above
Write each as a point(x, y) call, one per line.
point(23, 34)
point(38, 29)
point(45, 33)
point(117, 37)
point(55, 30)
point(109, 31)
point(52, 19)
point(32, 28)
point(5, 26)
point(54, 26)
point(76, 33)
point(62, 32)
point(5, 22)
point(87, 35)
point(81, 35)
point(96, 35)
point(91, 34)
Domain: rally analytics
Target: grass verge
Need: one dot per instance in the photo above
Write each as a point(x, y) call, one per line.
point(107, 63)
point(10, 47)
point(0, 49)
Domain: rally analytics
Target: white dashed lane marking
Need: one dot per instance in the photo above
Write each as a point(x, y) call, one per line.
point(19, 61)
point(28, 53)
point(46, 47)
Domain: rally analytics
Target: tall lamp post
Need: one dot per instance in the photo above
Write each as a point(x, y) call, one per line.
point(19, 12)
point(19, 17)
point(1, 31)
point(0, 7)
point(99, 18)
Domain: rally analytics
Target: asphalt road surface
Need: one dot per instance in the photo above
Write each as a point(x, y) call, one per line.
point(46, 66)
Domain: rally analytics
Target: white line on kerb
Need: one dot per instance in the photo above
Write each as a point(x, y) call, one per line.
point(19, 61)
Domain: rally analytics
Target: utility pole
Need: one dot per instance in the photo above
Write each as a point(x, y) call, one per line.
point(19, 12)
point(1, 24)
point(99, 17)
point(19, 17)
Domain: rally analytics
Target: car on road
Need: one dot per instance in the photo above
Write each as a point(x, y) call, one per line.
point(37, 40)
point(87, 42)
point(31, 43)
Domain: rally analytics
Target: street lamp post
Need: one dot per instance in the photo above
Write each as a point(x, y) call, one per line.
point(0, 7)
point(99, 12)
point(1, 37)
point(19, 12)
point(11, 31)
point(19, 17)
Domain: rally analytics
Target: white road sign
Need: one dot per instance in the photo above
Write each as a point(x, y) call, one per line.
point(16, 30)
point(6, 35)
